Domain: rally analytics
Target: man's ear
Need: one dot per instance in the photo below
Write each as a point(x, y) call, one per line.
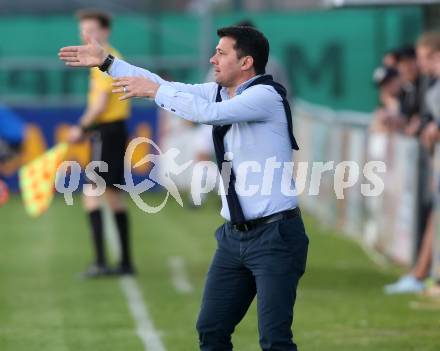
point(248, 63)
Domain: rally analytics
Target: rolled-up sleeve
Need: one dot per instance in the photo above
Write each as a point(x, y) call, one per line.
point(254, 104)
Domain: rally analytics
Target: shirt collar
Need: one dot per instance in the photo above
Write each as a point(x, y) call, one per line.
point(241, 87)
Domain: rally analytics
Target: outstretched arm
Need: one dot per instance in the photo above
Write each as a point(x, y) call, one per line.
point(255, 104)
point(92, 54)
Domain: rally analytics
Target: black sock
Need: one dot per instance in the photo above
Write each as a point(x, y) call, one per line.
point(122, 224)
point(97, 236)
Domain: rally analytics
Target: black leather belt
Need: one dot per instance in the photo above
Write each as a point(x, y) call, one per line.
point(254, 223)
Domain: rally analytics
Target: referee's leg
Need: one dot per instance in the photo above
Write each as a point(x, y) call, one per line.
point(229, 290)
point(115, 198)
point(92, 206)
point(114, 140)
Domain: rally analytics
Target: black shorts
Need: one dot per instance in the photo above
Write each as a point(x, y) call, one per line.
point(109, 142)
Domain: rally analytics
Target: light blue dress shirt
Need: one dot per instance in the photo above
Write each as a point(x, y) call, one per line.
point(258, 136)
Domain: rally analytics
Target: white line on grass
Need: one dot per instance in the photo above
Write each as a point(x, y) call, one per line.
point(375, 256)
point(433, 305)
point(144, 325)
point(179, 278)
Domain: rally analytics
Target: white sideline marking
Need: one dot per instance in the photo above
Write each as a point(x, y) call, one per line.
point(139, 311)
point(144, 325)
point(375, 256)
point(179, 278)
point(433, 305)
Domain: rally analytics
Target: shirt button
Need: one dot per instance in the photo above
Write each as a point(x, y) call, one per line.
point(161, 105)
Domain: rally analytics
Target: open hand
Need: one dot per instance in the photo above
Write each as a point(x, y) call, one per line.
point(135, 87)
point(91, 54)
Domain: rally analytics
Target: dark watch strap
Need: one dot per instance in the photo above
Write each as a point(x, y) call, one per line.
point(107, 63)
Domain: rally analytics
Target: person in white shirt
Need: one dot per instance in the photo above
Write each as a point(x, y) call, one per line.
point(262, 246)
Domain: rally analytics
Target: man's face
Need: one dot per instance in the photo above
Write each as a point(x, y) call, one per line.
point(93, 28)
point(227, 66)
point(424, 59)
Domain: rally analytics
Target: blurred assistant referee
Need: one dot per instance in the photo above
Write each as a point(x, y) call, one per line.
point(262, 246)
point(104, 120)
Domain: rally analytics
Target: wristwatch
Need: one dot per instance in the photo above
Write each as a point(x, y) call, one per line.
point(107, 63)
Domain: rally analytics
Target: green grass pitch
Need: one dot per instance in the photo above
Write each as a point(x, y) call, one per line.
point(45, 306)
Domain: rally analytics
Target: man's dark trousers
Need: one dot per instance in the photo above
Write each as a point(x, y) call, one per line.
point(266, 261)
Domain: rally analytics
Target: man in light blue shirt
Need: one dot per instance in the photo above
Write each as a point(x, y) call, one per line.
point(262, 247)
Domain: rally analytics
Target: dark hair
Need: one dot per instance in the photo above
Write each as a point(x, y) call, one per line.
point(104, 18)
point(248, 42)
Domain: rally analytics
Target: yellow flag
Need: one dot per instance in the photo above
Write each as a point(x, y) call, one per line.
point(37, 180)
